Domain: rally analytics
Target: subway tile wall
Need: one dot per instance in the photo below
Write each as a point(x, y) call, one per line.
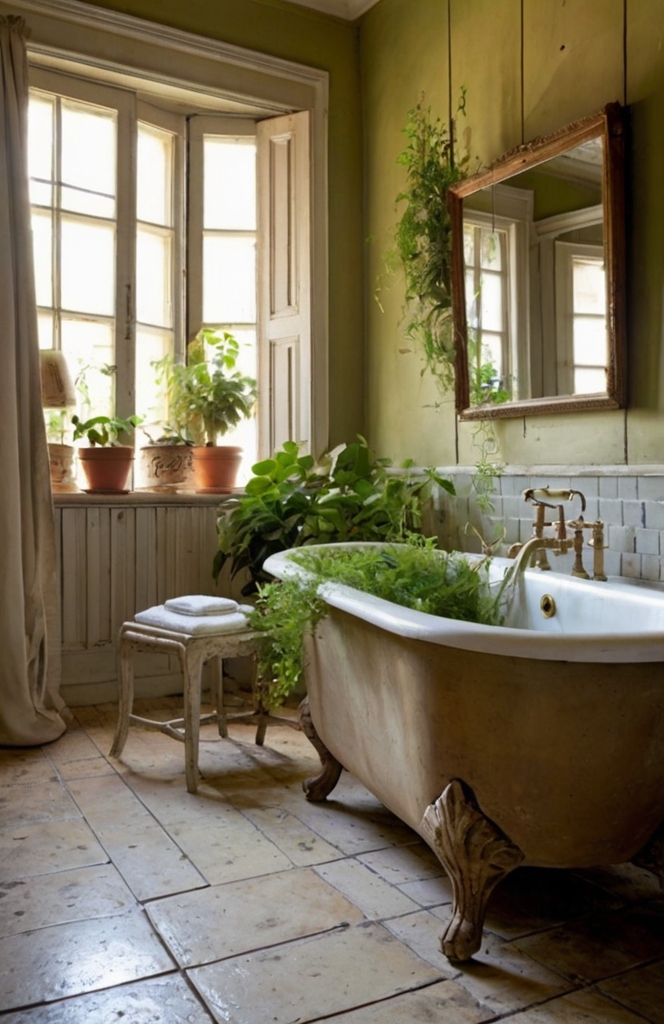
point(628, 500)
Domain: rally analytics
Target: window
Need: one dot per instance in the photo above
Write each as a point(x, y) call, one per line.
point(581, 318)
point(487, 290)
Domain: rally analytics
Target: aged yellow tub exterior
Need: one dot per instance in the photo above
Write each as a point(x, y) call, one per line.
point(539, 743)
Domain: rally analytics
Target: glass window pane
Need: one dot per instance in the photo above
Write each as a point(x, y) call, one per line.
point(469, 245)
point(154, 187)
point(88, 349)
point(151, 402)
point(229, 281)
point(590, 342)
point(88, 266)
point(492, 351)
point(491, 295)
point(589, 381)
point(589, 286)
point(229, 194)
point(154, 275)
point(91, 203)
point(41, 110)
point(42, 248)
point(491, 250)
point(472, 306)
point(88, 157)
point(45, 328)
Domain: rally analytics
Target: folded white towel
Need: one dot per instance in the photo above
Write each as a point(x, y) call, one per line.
point(201, 604)
point(192, 624)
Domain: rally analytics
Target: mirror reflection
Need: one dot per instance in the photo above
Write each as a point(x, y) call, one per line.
point(536, 262)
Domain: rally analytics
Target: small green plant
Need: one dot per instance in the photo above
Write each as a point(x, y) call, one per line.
point(416, 575)
point(423, 237)
point(104, 430)
point(207, 396)
point(291, 501)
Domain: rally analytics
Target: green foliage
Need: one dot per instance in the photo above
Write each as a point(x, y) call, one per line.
point(416, 575)
point(423, 238)
point(208, 396)
point(104, 430)
point(290, 501)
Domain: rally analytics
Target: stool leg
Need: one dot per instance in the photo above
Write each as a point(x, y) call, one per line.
point(192, 667)
point(125, 665)
point(218, 670)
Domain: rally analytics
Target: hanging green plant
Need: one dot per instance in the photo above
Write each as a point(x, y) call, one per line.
point(423, 237)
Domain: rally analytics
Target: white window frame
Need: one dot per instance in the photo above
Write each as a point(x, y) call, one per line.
point(70, 35)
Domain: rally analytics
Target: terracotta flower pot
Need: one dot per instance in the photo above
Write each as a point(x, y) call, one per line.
point(106, 469)
point(215, 468)
point(167, 467)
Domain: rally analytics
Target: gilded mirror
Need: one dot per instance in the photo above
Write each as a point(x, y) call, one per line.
point(538, 275)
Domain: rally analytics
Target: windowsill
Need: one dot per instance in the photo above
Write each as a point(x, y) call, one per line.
point(138, 498)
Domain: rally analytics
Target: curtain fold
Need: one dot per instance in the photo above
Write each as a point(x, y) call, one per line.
point(29, 644)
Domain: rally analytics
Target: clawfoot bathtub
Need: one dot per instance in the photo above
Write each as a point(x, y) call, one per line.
point(540, 742)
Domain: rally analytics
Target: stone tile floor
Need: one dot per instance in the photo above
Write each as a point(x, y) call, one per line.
point(124, 898)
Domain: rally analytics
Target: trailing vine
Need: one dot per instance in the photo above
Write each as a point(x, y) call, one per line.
point(423, 237)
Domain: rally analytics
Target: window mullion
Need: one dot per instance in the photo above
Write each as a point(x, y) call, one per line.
point(56, 233)
point(125, 295)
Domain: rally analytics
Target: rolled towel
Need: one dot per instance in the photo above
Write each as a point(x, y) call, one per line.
point(194, 625)
point(201, 604)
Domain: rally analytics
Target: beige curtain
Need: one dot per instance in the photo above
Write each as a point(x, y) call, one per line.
point(28, 649)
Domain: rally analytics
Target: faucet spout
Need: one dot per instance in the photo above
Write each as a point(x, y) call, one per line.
point(528, 551)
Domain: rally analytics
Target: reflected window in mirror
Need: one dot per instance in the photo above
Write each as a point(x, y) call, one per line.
point(538, 275)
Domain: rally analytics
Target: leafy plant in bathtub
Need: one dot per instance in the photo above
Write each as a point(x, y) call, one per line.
point(350, 495)
point(416, 575)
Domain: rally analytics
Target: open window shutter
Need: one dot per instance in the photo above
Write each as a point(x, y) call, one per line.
point(284, 274)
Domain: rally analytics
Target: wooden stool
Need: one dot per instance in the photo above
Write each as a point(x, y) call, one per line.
point(193, 652)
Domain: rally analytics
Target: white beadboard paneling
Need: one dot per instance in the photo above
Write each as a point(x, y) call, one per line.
point(114, 561)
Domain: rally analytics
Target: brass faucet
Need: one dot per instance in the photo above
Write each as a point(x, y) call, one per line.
point(536, 547)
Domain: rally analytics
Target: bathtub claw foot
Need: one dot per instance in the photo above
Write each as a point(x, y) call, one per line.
point(476, 856)
point(320, 786)
point(651, 857)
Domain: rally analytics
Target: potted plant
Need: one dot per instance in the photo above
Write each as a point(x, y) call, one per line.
point(167, 462)
point(106, 463)
point(208, 397)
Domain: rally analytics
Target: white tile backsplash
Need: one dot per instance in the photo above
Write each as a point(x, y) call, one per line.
point(630, 504)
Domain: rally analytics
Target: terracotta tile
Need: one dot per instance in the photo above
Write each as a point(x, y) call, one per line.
point(300, 844)
point(77, 895)
point(230, 852)
point(588, 1007)
point(368, 891)
point(84, 956)
point(142, 1002)
point(641, 990)
point(503, 978)
point(598, 946)
point(445, 1002)
point(404, 864)
point(226, 920)
point(306, 980)
point(45, 800)
point(27, 850)
point(150, 862)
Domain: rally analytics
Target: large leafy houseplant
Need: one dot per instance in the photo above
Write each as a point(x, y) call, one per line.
point(292, 501)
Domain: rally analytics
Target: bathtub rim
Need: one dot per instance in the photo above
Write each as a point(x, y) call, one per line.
point(629, 647)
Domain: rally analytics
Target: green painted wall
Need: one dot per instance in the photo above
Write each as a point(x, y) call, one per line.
point(298, 34)
point(573, 62)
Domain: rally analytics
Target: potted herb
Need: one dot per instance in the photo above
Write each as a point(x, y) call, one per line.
point(60, 455)
point(350, 495)
point(106, 463)
point(208, 397)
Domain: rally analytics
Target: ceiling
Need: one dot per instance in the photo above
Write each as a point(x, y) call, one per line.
point(348, 9)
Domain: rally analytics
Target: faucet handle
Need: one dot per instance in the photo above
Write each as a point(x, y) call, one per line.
point(536, 496)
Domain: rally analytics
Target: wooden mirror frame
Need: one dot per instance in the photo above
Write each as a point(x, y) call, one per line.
point(609, 125)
